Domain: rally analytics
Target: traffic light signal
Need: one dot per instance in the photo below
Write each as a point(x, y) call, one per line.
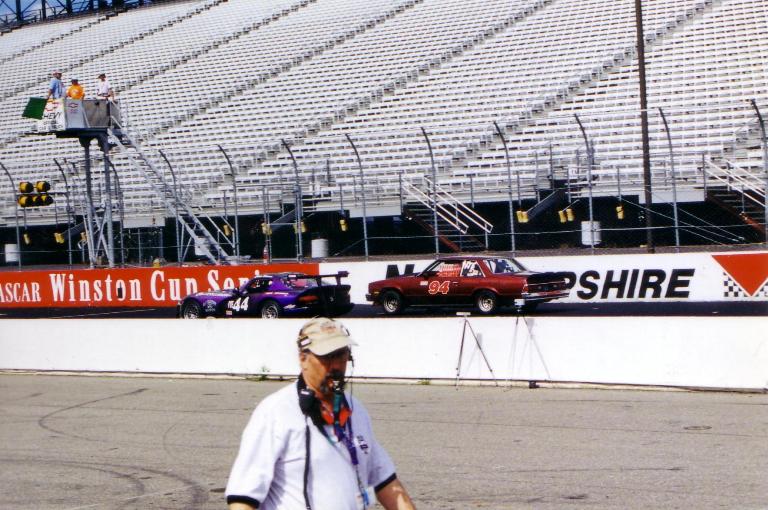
point(301, 227)
point(34, 195)
point(566, 215)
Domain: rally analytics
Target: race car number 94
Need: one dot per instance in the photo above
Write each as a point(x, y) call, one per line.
point(238, 305)
point(436, 287)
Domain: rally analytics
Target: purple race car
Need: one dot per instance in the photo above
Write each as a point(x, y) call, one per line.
point(272, 296)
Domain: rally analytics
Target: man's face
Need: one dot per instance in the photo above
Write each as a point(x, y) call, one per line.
point(320, 371)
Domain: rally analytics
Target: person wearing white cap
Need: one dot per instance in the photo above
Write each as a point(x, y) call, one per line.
point(310, 446)
point(103, 88)
point(55, 87)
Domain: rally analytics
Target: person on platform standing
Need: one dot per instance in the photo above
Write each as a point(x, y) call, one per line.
point(103, 88)
point(310, 446)
point(55, 87)
point(75, 90)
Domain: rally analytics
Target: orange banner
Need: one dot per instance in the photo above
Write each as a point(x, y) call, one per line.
point(134, 287)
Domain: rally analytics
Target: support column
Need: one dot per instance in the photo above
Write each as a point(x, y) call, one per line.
point(90, 212)
point(110, 248)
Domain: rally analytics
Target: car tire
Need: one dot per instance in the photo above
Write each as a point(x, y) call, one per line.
point(271, 310)
point(486, 302)
point(392, 302)
point(191, 310)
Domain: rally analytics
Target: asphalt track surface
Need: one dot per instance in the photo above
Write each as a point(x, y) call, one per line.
point(664, 309)
point(73, 443)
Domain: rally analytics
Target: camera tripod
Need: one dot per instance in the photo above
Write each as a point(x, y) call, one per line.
point(535, 345)
point(466, 325)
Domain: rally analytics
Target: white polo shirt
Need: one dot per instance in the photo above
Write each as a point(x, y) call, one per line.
point(269, 468)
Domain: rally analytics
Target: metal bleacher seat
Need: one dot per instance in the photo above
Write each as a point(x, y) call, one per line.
point(244, 75)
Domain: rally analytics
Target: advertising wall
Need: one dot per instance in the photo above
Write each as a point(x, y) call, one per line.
point(619, 278)
point(696, 277)
point(129, 287)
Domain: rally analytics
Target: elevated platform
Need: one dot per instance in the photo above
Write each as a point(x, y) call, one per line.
point(73, 118)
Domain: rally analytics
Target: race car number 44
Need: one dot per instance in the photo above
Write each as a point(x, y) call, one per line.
point(238, 305)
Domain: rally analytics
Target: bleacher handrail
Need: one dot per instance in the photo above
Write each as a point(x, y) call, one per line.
point(735, 174)
point(426, 200)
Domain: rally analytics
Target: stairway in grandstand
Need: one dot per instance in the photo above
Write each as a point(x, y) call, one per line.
point(447, 233)
point(435, 211)
point(737, 191)
point(202, 230)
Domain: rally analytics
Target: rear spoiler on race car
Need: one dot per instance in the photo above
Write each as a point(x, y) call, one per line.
point(319, 280)
point(319, 277)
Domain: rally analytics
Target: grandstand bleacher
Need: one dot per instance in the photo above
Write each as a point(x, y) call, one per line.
point(191, 75)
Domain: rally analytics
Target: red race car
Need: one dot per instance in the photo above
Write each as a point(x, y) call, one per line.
point(486, 283)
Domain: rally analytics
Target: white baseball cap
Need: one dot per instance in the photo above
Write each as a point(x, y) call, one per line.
point(322, 336)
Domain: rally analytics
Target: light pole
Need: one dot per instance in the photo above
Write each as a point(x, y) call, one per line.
point(590, 163)
point(362, 194)
point(765, 163)
point(644, 126)
point(509, 187)
point(434, 190)
point(16, 214)
point(674, 179)
point(178, 230)
point(110, 245)
point(121, 208)
point(69, 211)
point(297, 207)
point(234, 199)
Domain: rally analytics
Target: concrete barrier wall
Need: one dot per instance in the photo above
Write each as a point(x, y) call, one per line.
point(720, 352)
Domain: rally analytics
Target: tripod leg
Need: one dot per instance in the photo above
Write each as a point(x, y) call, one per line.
point(461, 353)
point(512, 353)
point(482, 352)
point(536, 346)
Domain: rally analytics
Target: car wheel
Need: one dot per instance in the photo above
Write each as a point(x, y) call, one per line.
point(392, 302)
point(271, 310)
point(486, 302)
point(191, 310)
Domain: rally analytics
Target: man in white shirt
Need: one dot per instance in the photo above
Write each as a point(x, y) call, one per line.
point(103, 88)
point(309, 446)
